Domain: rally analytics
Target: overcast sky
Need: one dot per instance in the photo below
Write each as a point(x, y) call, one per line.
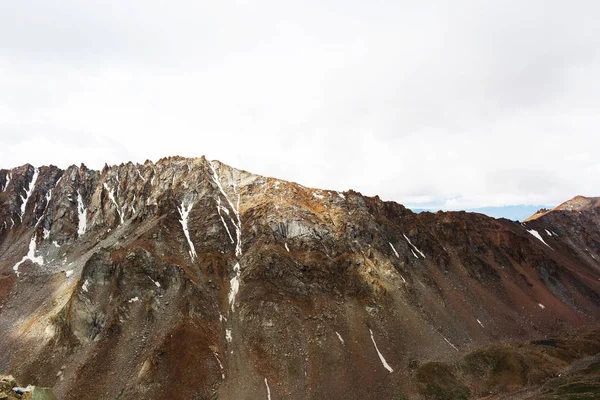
point(451, 104)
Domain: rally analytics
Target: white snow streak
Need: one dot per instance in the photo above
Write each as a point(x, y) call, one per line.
point(287, 248)
point(140, 174)
point(111, 196)
point(541, 306)
point(537, 235)
point(84, 286)
point(236, 211)
point(155, 282)
point(220, 365)
point(81, 215)
point(383, 362)
point(28, 192)
point(339, 337)
point(48, 198)
point(413, 253)
point(29, 256)
point(234, 284)
point(268, 390)
point(341, 195)
point(184, 212)
point(479, 322)
point(403, 280)
point(413, 246)
point(453, 346)
point(318, 196)
point(394, 249)
point(219, 208)
point(7, 181)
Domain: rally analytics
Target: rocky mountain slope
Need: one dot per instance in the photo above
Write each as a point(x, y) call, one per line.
point(577, 203)
point(189, 279)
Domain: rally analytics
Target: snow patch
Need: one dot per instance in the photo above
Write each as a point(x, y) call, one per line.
point(84, 287)
point(479, 322)
point(7, 181)
point(184, 212)
point(155, 282)
point(341, 195)
point(69, 273)
point(28, 192)
point(228, 335)
point(133, 300)
point(81, 215)
point(276, 184)
point(537, 235)
point(339, 337)
point(236, 211)
point(220, 365)
point(55, 243)
point(318, 196)
point(541, 306)
point(268, 390)
point(394, 250)
point(414, 247)
point(39, 260)
point(111, 196)
point(383, 362)
point(286, 247)
point(234, 284)
point(48, 198)
point(219, 208)
point(140, 175)
point(46, 234)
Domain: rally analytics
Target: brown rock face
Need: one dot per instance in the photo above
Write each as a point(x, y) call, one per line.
point(191, 279)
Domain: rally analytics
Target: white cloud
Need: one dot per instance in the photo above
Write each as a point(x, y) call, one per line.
point(466, 104)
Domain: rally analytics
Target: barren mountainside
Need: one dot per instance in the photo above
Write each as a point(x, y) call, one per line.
point(190, 279)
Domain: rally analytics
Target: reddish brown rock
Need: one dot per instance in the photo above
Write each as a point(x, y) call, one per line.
point(192, 279)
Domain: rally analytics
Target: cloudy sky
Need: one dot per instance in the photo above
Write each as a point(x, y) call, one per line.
point(444, 103)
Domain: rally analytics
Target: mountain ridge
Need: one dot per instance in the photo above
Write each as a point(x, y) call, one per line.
point(237, 285)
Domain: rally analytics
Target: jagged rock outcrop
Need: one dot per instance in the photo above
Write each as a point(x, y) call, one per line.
point(187, 278)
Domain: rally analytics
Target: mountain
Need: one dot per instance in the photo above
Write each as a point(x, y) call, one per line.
point(577, 203)
point(515, 212)
point(190, 279)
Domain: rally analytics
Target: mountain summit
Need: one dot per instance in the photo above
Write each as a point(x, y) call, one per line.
point(190, 279)
point(577, 203)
